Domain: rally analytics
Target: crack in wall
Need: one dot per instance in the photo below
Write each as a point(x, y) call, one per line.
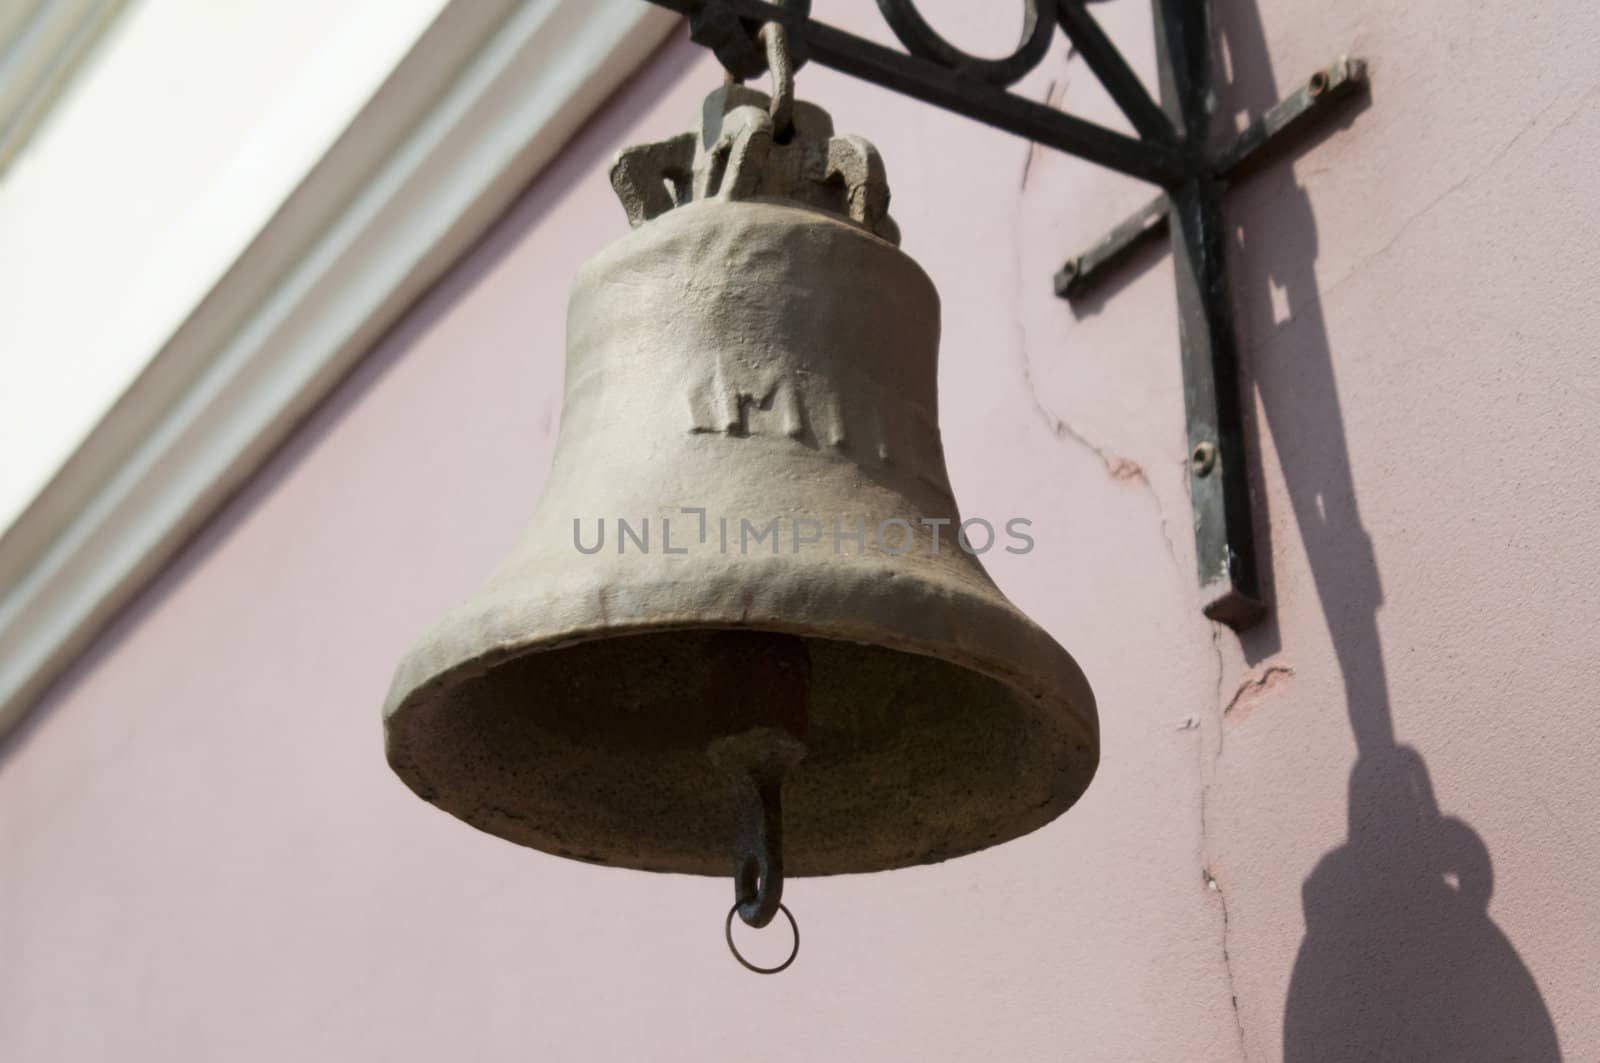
point(1027, 160)
point(1127, 471)
point(1476, 171)
point(1256, 688)
point(1052, 97)
point(1227, 961)
point(1208, 773)
point(1118, 468)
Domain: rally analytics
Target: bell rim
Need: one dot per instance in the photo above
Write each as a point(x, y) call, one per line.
point(1070, 709)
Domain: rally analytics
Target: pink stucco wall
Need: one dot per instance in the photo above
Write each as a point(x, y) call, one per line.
point(1365, 830)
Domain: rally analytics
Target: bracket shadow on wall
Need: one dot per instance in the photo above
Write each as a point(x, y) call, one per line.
point(1173, 150)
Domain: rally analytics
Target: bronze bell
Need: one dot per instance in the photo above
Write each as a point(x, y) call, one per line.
point(749, 433)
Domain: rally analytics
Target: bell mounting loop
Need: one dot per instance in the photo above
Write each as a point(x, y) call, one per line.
point(746, 49)
point(737, 41)
point(781, 62)
point(758, 867)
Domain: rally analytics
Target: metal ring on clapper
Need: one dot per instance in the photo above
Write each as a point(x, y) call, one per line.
point(728, 933)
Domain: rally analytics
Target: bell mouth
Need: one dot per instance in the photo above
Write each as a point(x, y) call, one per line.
point(595, 748)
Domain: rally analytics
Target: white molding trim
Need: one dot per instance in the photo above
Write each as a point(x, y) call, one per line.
point(39, 53)
point(490, 94)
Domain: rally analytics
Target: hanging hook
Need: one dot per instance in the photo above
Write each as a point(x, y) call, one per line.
point(716, 25)
point(764, 679)
point(758, 873)
point(757, 761)
point(780, 61)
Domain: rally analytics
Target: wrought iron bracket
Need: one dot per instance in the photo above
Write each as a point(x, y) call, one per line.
point(1173, 149)
point(1291, 116)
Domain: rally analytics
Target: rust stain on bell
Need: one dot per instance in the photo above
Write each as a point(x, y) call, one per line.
point(759, 348)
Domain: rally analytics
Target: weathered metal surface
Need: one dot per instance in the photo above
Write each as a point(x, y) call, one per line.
point(1113, 72)
point(938, 73)
point(738, 364)
point(1080, 271)
point(1290, 118)
point(734, 40)
point(1219, 481)
point(794, 928)
point(1219, 484)
point(924, 42)
point(774, 672)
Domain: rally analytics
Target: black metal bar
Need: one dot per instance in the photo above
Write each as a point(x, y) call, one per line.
point(1264, 138)
point(1003, 110)
point(1218, 477)
point(1080, 271)
point(1291, 115)
point(1114, 73)
point(924, 42)
point(927, 81)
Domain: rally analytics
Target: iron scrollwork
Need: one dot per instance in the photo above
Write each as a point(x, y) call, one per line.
point(924, 42)
point(935, 71)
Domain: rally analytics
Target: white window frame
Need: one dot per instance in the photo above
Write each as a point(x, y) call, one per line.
point(488, 96)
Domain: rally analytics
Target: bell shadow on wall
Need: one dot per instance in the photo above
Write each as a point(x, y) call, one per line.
point(1401, 960)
